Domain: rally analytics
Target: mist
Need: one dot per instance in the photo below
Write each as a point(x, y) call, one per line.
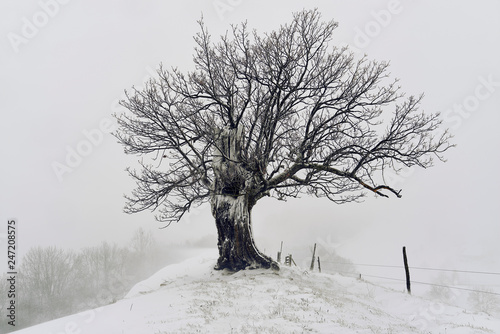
point(65, 66)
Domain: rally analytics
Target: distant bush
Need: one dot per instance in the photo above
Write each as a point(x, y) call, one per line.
point(484, 301)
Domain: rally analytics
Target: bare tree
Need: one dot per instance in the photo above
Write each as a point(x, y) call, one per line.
point(142, 242)
point(100, 270)
point(274, 115)
point(45, 275)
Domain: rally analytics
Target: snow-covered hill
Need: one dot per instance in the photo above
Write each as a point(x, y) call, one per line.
point(191, 297)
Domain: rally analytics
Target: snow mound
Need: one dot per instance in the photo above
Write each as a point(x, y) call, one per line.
point(191, 297)
point(192, 269)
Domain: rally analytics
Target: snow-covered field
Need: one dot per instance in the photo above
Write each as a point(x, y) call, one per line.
point(190, 297)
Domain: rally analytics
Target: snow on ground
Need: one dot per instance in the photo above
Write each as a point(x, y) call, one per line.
point(191, 297)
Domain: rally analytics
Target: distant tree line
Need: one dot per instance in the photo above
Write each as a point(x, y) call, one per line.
point(54, 282)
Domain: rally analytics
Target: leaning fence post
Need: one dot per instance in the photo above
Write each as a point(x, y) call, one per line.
point(312, 261)
point(407, 270)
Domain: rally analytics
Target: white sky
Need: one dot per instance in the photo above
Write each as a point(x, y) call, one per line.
point(63, 77)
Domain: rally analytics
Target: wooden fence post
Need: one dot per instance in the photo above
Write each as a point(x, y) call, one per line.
point(279, 253)
point(314, 255)
point(319, 265)
point(407, 270)
point(289, 260)
point(292, 261)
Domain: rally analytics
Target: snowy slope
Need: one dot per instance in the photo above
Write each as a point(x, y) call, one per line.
point(190, 297)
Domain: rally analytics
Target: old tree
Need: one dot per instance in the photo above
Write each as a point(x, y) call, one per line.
point(275, 115)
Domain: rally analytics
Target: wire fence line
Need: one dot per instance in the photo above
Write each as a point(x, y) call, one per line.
point(415, 282)
point(418, 268)
point(356, 273)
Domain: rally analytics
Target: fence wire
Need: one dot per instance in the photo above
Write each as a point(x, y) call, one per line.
point(419, 268)
point(416, 282)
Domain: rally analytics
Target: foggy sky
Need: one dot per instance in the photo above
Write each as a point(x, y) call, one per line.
point(65, 64)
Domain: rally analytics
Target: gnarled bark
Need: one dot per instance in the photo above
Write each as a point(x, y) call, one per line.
point(237, 248)
point(231, 207)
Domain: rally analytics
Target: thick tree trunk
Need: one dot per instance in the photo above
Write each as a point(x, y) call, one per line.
point(231, 207)
point(237, 249)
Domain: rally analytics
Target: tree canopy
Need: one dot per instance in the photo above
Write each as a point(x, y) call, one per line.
point(306, 117)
